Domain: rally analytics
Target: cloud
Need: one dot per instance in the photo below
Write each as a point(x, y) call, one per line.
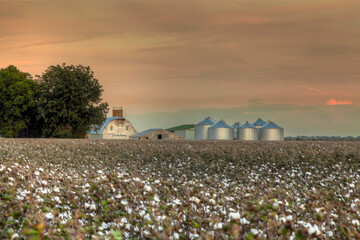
point(338, 102)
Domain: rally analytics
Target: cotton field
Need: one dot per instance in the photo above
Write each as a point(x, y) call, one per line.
point(76, 189)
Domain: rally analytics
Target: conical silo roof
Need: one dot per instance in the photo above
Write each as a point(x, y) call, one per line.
point(271, 124)
point(236, 125)
point(220, 124)
point(259, 123)
point(206, 121)
point(247, 125)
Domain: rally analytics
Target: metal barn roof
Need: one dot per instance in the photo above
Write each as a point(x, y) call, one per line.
point(181, 127)
point(220, 124)
point(146, 132)
point(104, 125)
point(259, 123)
point(271, 124)
point(206, 121)
point(247, 125)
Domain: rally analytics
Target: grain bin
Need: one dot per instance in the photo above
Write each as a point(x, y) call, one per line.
point(201, 128)
point(271, 132)
point(259, 123)
point(220, 131)
point(236, 127)
point(247, 132)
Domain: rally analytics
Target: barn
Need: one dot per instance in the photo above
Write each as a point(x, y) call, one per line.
point(156, 133)
point(115, 127)
point(186, 131)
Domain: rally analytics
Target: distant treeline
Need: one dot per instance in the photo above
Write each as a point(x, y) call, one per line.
point(65, 101)
point(324, 138)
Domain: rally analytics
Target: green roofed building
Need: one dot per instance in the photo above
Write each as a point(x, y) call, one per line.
point(186, 131)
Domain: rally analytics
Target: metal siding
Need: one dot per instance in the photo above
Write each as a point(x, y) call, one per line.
point(247, 134)
point(201, 132)
point(221, 133)
point(271, 134)
point(181, 133)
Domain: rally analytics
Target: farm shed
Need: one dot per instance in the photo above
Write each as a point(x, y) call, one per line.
point(156, 133)
point(186, 131)
point(116, 127)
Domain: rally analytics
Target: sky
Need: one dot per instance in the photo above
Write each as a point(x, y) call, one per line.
point(174, 62)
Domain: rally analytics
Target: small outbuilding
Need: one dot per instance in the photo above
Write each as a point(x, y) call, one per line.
point(116, 127)
point(156, 133)
point(186, 131)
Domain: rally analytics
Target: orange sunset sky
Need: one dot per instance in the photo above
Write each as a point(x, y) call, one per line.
point(171, 62)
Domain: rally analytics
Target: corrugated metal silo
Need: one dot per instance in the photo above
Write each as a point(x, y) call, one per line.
point(259, 123)
point(236, 127)
point(201, 128)
point(247, 132)
point(220, 131)
point(271, 132)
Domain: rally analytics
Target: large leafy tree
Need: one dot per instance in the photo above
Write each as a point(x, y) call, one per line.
point(18, 111)
point(70, 101)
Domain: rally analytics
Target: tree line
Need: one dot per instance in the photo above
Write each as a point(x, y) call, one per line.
point(64, 102)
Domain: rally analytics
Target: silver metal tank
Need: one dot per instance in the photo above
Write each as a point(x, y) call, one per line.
point(236, 127)
point(201, 128)
point(247, 132)
point(271, 132)
point(220, 131)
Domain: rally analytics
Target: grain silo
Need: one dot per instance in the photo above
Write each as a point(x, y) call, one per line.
point(271, 132)
point(236, 127)
point(201, 128)
point(220, 131)
point(259, 123)
point(247, 132)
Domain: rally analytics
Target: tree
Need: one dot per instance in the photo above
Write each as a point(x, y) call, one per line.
point(17, 103)
point(70, 101)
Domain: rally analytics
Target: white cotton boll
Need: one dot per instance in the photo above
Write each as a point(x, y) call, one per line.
point(212, 201)
point(234, 215)
point(218, 225)
point(157, 181)
point(194, 199)
point(41, 169)
point(156, 198)
point(177, 202)
point(290, 217)
point(49, 215)
point(147, 188)
point(355, 222)
point(37, 173)
point(124, 202)
point(254, 231)
point(244, 221)
point(352, 185)
point(118, 196)
point(176, 236)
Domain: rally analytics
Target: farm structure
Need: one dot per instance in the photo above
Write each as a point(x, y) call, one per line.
point(186, 131)
point(258, 130)
point(221, 131)
point(116, 127)
point(201, 128)
point(156, 133)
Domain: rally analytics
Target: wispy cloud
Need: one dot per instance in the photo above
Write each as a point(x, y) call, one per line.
point(339, 102)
